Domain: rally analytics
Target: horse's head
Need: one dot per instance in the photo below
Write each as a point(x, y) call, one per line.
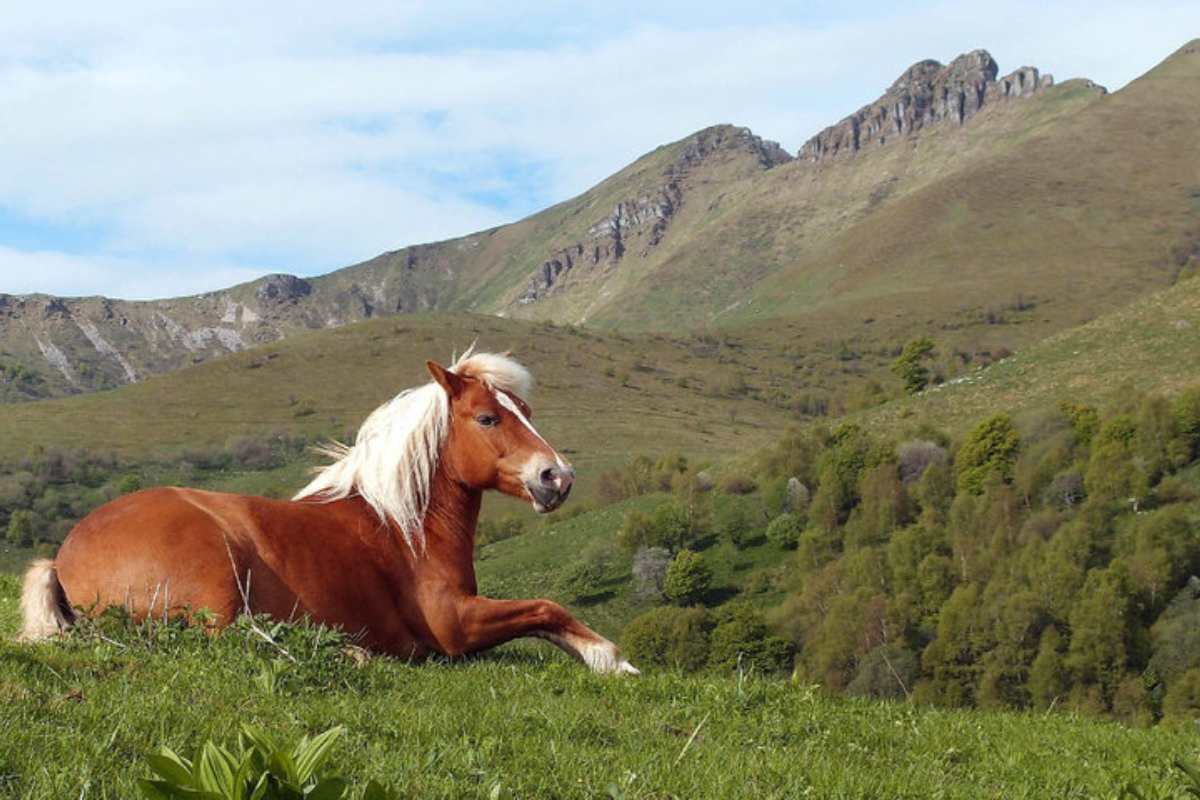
point(491, 443)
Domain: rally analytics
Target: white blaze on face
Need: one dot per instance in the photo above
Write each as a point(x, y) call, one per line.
point(507, 402)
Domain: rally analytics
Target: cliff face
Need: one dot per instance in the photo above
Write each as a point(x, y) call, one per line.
point(928, 93)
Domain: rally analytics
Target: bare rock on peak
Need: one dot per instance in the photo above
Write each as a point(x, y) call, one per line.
point(279, 289)
point(928, 93)
point(702, 144)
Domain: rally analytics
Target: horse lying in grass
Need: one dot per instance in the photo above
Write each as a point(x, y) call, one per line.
point(381, 543)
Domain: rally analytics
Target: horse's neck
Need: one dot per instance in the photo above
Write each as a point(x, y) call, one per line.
point(451, 518)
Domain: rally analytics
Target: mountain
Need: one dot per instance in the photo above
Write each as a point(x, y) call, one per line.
point(992, 210)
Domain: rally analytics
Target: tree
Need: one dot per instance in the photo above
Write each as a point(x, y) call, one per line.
point(909, 367)
point(20, 528)
point(733, 519)
point(687, 579)
point(887, 672)
point(676, 638)
point(742, 638)
point(1182, 703)
point(650, 571)
point(990, 449)
point(1103, 630)
point(1048, 674)
point(784, 531)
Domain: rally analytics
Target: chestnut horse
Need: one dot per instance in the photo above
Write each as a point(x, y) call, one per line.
point(381, 543)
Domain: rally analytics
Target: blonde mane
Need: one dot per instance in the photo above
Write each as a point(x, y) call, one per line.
point(395, 452)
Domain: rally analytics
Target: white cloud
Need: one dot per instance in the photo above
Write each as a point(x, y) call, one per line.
point(65, 274)
point(307, 136)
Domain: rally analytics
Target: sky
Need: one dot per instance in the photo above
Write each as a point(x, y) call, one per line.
point(153, 149)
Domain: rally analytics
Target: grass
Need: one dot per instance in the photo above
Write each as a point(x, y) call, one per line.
point(79, 716)
point(1151, 346)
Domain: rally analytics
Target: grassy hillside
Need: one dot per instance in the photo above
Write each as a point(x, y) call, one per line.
point(80, 716)
point(599, 396)
point(1150, 346)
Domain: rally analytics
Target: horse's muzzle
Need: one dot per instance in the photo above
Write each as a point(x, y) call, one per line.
point(552, 487)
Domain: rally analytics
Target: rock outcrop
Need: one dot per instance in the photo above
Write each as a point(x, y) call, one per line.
point(639, 224)
point(928, 93)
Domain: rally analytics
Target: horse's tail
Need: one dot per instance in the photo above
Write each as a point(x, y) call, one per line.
point(44, 607)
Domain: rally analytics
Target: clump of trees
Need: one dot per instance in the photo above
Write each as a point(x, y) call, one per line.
point(44, 495)
point(1048, 560)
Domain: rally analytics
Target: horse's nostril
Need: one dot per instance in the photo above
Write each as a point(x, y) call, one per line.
point(548, 476)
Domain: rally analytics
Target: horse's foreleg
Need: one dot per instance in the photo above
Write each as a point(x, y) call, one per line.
point(486, 623)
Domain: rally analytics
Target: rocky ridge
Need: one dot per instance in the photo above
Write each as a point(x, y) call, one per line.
point(639, 224)
point(928, 93)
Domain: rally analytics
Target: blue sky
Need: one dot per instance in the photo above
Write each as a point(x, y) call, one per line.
point(151, 149)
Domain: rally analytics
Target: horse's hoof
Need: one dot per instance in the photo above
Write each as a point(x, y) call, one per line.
point(625, 668)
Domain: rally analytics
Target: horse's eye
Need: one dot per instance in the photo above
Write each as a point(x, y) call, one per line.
point(488, 420)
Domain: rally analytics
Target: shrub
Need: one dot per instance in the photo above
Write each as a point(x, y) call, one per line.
point(687, 579)
point(917, 456)
point(1065, 489)
point(128, 484)
point(796, 496)
point(584, 578)
point(742, 639)
point(580, 580)
point(909, 367)
point(990, 449)
point(733, 519)
point(1182, 703)
point(675, 638)
point(20, 528)
point(887, 672)
point(784, 531)
point(650, 571)
point(489, 531)
point(737, 484)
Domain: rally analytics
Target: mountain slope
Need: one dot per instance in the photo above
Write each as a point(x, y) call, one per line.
point(987, 199)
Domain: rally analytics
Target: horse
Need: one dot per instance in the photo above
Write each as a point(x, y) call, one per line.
point(380, 544)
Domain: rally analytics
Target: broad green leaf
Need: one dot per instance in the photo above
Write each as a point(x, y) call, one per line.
point(164, 790)
point(328, 789)
point(310, 754)
point(377, 791)
point(215, 769)
point(171, 766)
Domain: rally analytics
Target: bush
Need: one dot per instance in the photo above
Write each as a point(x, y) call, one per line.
point(742, 639)
point(579, 581)
point(650, 571)
point(675, 638)
point(687, 579)
point(1182, 703)
point(737, 484)
point(887, 672)
point(733, 519)
point(909, 367)
point(784, 531)
point(20, 528)
point(916, 457)
point(989, 450)
point(489, 531)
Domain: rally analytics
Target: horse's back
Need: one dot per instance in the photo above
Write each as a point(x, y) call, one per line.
point(158, 548)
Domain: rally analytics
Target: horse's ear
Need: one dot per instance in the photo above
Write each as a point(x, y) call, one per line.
point(452, 383)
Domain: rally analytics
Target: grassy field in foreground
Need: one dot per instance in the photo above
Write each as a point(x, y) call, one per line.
point(79, 716)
